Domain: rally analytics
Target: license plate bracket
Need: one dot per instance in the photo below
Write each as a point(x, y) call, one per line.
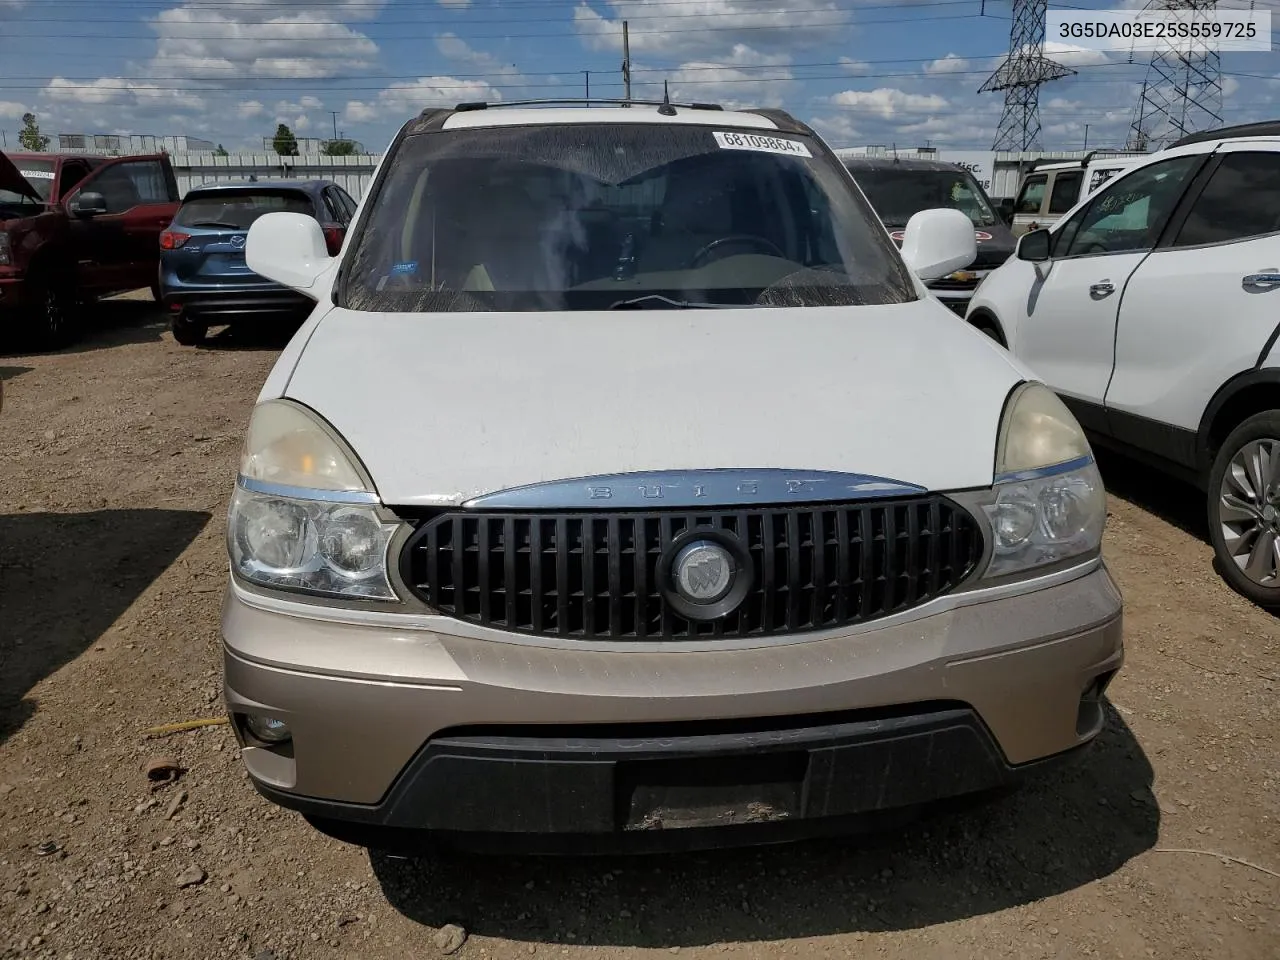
point(721, 791)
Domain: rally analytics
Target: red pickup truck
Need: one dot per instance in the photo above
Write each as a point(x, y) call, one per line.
point(74, 228)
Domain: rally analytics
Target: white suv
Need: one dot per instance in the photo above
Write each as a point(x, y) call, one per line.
point(626, 479)
point(1153, 309)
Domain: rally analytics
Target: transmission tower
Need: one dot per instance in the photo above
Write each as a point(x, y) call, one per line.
point(1183, 90)
point(1020, 77)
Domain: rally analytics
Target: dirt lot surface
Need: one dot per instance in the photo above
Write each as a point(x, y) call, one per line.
point(116, 460)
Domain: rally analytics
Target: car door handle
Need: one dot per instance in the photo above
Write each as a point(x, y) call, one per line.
point(1100, 291)
point(1262, 281)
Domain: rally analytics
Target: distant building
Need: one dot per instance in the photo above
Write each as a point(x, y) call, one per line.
point(115, 144)
point(310, 146)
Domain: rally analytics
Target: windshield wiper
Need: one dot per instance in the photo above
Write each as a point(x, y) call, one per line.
point(637, 303)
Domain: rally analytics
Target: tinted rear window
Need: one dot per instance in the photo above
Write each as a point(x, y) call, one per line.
point(238, 209)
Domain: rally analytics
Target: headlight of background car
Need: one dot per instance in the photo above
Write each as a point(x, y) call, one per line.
point(303, 517)
point(1049, 502)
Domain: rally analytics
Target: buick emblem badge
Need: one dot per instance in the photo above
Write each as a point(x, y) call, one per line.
point(704, 571)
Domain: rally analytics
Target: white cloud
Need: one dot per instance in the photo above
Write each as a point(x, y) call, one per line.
point(11, 111)
point(248, 109)
point(459, 51)
point(306, 44)
point(951, 63)
point(121, 90)
point(1069, 55)
point(454, 4)
point(889, 102)
point(838, 130)
point(1230, 85)
point(405, 98)
point(710, 25)
point(850, 65)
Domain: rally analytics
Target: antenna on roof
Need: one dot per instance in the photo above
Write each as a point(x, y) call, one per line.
point(666, 110)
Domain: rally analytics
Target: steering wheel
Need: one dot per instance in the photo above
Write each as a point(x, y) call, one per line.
point(760, 243)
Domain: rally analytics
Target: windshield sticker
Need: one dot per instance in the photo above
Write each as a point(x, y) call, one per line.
point(752, 141)
point(37, 174)
point(403, 269)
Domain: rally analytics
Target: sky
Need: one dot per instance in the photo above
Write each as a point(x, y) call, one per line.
point(860, 71)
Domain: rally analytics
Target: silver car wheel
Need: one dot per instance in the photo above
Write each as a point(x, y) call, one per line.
point(1249, 511)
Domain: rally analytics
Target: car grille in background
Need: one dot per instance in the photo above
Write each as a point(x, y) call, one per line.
point(594, 575)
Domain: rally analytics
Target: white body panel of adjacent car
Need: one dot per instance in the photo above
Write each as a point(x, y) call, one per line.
point(448, 406)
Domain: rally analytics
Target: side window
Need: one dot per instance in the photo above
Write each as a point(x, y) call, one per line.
point(348, 202)
point(1129, 213)
point(72, 173)
point(334, 209)
point(1032, 195)
point(1241, 200)
point(127, 185)
point(1066, 191)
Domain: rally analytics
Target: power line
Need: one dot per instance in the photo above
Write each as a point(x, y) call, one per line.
point(400, 35)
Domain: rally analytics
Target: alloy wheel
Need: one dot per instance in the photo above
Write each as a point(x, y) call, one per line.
point(1249, 511)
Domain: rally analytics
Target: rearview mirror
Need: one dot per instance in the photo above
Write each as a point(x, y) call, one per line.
point(939, 242)
point(1034, 246)
point(89, 205)
point(288, 248)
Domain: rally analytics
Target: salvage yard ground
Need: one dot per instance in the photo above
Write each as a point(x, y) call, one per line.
point(116, 461)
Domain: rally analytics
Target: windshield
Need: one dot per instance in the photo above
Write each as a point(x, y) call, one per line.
point(38, 173)
point(238, 209)
point(898, 195)
point(600, 216)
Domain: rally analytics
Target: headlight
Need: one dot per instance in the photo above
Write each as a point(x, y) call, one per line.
point(1049, 504)
point(303, 516)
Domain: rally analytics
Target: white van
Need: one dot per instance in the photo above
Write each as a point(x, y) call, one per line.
point(1049, 190)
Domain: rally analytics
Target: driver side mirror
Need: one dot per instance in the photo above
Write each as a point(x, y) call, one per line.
point(289, 248)
point(88, 205)
point(1004, 210)
point(939, 242)
point(1034, 247)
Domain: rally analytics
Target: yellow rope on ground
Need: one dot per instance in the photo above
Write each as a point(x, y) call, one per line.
point(186, 725)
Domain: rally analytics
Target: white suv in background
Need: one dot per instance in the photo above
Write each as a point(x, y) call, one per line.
point(1153, 309)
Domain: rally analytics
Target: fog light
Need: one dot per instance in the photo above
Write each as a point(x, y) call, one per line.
point(267, 729)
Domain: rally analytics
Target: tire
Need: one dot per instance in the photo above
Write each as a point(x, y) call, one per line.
point(188, 332)
point(1246, 474)
point(990, 331)
point(56, 323)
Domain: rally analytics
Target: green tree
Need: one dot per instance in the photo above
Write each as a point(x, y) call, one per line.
point(221, 151)
point(30, 136)
point(284, 142)
point(339, 148)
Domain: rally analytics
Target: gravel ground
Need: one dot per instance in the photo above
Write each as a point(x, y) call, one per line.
point(116, 459)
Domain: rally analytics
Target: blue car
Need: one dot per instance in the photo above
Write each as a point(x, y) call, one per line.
point(204, 280)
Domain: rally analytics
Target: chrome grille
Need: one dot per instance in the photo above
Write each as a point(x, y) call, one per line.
point(594, 575)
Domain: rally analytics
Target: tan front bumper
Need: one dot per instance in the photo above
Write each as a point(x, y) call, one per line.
point(362, 700)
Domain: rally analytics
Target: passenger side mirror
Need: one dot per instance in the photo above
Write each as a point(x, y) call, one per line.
point(288, 248)
point(88, 205)
point(1004, 209)
point(939, 242)
point(1034, 247)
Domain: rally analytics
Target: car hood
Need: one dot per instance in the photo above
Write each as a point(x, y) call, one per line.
point(11, 179)
point(442, 408)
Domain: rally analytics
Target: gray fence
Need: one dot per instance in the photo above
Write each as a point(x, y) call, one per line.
point(351, 173)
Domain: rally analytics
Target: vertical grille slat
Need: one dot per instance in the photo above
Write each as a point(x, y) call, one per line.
point(594, 575)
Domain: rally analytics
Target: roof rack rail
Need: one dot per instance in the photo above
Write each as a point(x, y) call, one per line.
point(580, 101)
point(1264, 128)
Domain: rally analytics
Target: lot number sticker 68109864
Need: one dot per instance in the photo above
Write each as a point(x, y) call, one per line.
point(754, 141)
